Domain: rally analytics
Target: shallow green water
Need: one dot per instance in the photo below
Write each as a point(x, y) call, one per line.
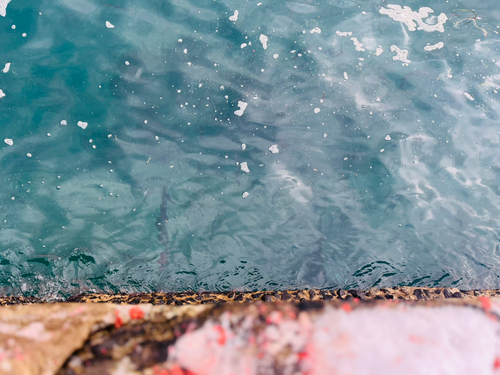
point(142, 140)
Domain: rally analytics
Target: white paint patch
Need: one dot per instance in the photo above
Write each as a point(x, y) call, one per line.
point(244, 167)
point(401, 55)
point(274, 149)
point(433, 47)
point(468, 96)
point(263, 39)
point(343, 33)
point(346, 77)
point(387, 137)
point(316, 30)
point(243, 146)
point(242, 106)
point(234, 17)
point(1, 94)
point(82, 124)
point(6, 68)
point(358, 45)
point(64, 122)
point(379, 51)
point(9, 141)
point(3, 7)
point(408, 17)
point(109, 25)
point(243, 45)
point(317, 110)
point(245, 195)
point(276, 55)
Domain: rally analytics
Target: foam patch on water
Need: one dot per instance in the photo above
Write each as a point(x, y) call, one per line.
point(6, 68)
point(3, 7)
point(109, 25)
point(2, 94)
point(234, 17)
point(358, 45)
point(274, 149)
point(9, 141)
point(244, 167)
point(432, 47)
point(408, 17)
point(401, 55)
point(263, 39)
point(82, 124)
point(242, 106)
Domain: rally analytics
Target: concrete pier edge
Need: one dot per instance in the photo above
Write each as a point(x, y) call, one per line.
point(378, 331)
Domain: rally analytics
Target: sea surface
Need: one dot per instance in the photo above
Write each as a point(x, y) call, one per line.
point(168, 145)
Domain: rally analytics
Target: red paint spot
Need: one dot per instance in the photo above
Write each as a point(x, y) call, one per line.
point(118, 320)
point(302, 356)
point(104, 350)
point(356, 300)
point(176, 370)
point(486, 303)
point(346, 307)
point(497, 363)
point(136, 313)
point(222, 335)
point(417, 339)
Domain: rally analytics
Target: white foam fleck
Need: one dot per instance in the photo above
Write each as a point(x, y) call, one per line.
point(276, 55)
point(263, 39)
point(468, 96)
point(109, 25)
point(234, 17)
point(3, 7)
point(24, 35)
point(6, 68)
point(9, 141)
point(316, 30)
point(379, 51)
point(433, 47)
point(274, 149)
point(317, 110)
point(245, 195)
point(243, 45)
point(401, 55)
point(243, 146)
point(1, 94)
point(242, 106)
point(358, 45)
point(346, 77)
point(387, 137)
point(343, 33)
point(82, 124)
point(64, 122)
point(185, 50)
point(29, 155)
point(244, 167)
point(408, 17)
point(127, 63)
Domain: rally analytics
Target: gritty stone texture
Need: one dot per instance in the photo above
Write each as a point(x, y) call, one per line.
point(194, 298)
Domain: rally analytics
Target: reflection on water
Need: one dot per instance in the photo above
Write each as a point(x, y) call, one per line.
point(217, 145)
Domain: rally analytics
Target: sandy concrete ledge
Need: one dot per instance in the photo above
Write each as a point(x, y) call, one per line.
point(449, 336)
point(195, 298)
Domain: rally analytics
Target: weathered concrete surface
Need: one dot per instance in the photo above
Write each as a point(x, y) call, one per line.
point(454, 336)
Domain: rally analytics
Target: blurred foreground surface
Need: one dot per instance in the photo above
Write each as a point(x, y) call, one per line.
point(455, 336)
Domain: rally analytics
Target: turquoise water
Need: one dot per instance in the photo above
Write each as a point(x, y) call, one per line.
point(172, 145)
